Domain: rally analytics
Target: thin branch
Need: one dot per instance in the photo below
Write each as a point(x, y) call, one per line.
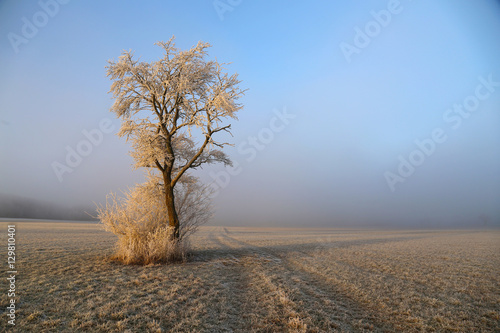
point(187, 165)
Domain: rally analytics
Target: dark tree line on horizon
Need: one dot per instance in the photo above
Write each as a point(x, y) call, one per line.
point(21, 207)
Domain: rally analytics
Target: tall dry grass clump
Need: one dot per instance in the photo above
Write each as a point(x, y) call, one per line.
point(140, 220)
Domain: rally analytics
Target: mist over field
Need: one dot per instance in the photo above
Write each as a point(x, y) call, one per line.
point(19, 207)
point(381, 113)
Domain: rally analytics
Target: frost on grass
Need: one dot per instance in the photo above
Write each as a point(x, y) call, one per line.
point(328, 280)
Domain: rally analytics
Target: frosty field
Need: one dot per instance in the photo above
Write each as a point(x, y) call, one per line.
point(259, 280)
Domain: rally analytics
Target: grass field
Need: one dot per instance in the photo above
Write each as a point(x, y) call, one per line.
point(258, 280)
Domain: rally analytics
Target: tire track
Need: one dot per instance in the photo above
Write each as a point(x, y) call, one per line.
point(270, 307)
point(309, 302)
point(233, 283)
point(263, 304)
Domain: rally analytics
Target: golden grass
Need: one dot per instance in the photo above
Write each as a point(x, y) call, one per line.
point(260, 280)
point(154, 247)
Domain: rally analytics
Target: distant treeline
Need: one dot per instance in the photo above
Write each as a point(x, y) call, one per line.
point(20, 207)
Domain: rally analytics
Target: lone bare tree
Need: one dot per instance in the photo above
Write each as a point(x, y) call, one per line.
point(163, 103)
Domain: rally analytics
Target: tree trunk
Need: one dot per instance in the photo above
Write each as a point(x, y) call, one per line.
point(173, 218)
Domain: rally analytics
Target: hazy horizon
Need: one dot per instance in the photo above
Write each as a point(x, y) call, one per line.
point(379, 113)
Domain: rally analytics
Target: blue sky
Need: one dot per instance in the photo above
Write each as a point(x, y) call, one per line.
point(354, 116)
